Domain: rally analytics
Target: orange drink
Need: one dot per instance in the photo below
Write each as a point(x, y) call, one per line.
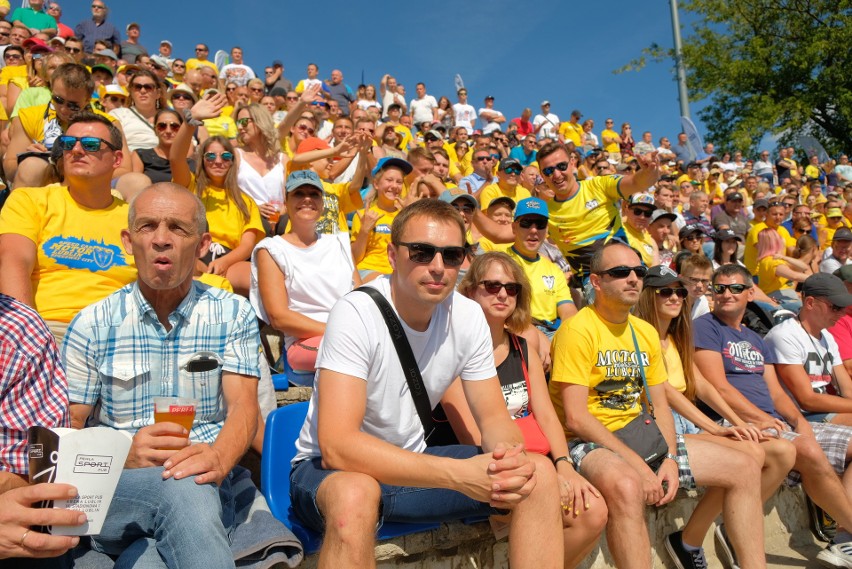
point(175, 410)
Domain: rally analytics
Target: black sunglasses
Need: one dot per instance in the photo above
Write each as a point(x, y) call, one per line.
point(623, 271)
point(423, 253)
point(493, 287)
point(89, 143)
point(538, 223)
point(831, 305)
point(642, 212)
point(512, 169)
point(71, 105)
point(465, 207)
point(562, 167)
point(668, 291)
point(734, 288)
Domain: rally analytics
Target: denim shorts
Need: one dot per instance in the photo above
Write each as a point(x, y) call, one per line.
point(684, 426)
point(398, 503)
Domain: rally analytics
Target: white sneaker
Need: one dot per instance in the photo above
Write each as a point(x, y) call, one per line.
point(836, 555)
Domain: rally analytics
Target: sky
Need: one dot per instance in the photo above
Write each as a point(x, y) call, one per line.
point(565, 52)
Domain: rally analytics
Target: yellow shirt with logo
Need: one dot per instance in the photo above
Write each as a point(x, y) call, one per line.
point(79, 255)
point(584, 222)
point(33, 119)
point(225, 219)
point(574, 133)
point(492, 191)
point(376, 253)
point(601, 356)
point(642, 242)
point(548, 285)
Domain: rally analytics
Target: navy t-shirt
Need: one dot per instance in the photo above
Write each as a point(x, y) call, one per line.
point(744, 354)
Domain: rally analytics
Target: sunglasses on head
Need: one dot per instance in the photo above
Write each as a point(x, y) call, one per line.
point(623, 271)
point(537, 222)
point(70, 105)
point(668, 291)
point(225, 156)
point(493, 287)
point(641, 211)
point(88, 143)
point(548, 171)
point(423, 253)
point(243, 122)
point(163, 126)
point(734, 288)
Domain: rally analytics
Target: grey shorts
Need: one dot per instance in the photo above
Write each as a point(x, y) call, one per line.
point(578, 450)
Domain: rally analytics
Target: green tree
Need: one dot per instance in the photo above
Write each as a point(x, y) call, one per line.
point(769, 66)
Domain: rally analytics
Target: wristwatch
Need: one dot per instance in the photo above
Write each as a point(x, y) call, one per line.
point(187, 115)
point(671, 456)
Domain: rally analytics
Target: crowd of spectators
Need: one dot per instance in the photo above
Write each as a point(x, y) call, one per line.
point(158, 208)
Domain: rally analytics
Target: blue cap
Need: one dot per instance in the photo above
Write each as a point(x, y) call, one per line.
point(301, 178)
point(454, 194)
point(531, 206)
point(389, 161)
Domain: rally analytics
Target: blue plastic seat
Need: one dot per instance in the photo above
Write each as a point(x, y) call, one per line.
point(279, 447)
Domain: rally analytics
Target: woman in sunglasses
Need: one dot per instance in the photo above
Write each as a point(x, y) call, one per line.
point(262, 164)
point(371, 227)
point(662, 303)
point(499, 286)
point(232, 217)
point(137, 120)
point(154, 162)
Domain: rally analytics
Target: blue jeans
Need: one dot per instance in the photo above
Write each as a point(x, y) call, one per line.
point(183, 523)
point(398, 503)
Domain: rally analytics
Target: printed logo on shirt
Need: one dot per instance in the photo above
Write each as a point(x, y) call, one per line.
point(549, 281)
point(744, 355)
point(96, 256)
point(382, 228)
point(592, 204)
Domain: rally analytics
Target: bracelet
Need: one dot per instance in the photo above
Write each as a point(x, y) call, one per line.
point(671, 456)
point(562, 459)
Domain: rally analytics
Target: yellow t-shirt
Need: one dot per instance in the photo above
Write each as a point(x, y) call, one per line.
point(600, 355)
point(789, 240)
point(548, 285)
point(33, 120)
point(79, 255)
point(225, 220)
point(376, 254)
point(642, 242)
point(215, 280)
point(492, 191)
point(584, 222)
point(12, 71)
point(223, 125)
point(488, 245)
point(574, 133)
point(613, 147)
point(767, 279)
point(750, 246)
point(674, 367)
point(193, 63)
point(407, 139)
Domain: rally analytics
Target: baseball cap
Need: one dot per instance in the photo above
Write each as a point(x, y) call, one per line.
point(454, 194)
point(159, 61)
point(301, 178)
point(506, 162)
point(277, 63)
point(103, 67)
point(436, 134)
point(489, 97)
point(660, 275)
point(278, 92)
point(761, 202)
point(842, 234)
point(167, 42)
point(834, 212)
point(662, 214)
point(57, 39)
point(389, 161)
point(726, 234)
point(502, 200)
point(734, 196)
point(693, 165)
point(104, 52)
point(111, 89)
point(844, 273)
point(689, 229)
point(545, 102)
point(531, 206)
point(36, 45)
point(829, 287)
point(642, 199)
point(132, 25)
point(577, 113)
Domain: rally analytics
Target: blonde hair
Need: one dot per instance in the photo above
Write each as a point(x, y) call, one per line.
point(521, 317)
point(263, 121)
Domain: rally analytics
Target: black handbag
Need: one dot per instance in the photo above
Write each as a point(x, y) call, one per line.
point(642, 434)
point(436, 427)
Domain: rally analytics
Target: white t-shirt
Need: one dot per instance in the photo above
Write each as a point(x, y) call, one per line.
point(262, 189)
point(390, 98)
point(465, 115)
point(316, 276)
point(138, 132)
point(487, 126)
point(793, 345)
point(238, 73)
point(421, 109)
point(829, 264)
point(551, 123)
point(357, 343)
point(700, 307)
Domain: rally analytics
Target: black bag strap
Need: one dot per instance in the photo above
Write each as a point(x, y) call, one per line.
point(650, 408)
point(406, 358)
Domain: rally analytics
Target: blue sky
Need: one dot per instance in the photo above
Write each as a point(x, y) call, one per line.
point(562, 51)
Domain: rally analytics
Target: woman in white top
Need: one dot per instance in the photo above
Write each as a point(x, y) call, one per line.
point(369, 99)
point(137, 121)
point(297, 277)
point(260, 174)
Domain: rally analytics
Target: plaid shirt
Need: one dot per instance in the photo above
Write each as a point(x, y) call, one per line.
point(33, 390)
point(118, 352)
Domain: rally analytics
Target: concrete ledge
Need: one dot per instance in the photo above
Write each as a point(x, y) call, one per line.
point(789, 542)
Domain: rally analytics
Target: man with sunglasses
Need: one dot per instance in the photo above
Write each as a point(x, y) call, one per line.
point(551, 304)
point(482, 175)
point(742, 367)
point(636, 215)
point(362, 451)
point(200, 59)
point(508, 176)
point(97, 28)
point(606, 362)
point(34, 131)
point(236, 71)
point(60, 247)
point(525, 152)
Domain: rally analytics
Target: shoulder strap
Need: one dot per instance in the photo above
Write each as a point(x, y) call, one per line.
point(406, 358)
point(641, 370)
point(520, 350)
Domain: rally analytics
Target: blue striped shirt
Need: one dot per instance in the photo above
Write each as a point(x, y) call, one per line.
point(117, 352)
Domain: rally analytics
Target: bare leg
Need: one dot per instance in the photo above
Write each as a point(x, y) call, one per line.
point(582, 532)
point(349, 502)
point(534, 529)
point(820, 481)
